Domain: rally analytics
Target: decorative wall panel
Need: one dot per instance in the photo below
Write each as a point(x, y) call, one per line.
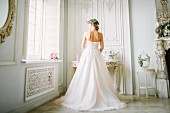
point(39, 80)
point(111, 21)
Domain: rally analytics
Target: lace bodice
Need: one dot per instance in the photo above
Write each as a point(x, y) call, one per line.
point(92, 45)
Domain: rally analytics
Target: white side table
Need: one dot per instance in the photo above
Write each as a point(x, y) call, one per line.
point(146, 87)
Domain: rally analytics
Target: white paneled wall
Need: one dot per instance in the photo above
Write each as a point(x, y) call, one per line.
point(113, 16)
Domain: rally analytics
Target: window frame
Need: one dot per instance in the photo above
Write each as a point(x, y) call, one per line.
point(25, 57)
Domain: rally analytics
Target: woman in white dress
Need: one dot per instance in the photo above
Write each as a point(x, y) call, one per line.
point(91, 88)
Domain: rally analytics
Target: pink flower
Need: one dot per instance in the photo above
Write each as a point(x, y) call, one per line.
point(88, 22)
point(54, 56)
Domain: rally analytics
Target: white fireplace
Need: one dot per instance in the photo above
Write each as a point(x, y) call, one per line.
point(161, 45)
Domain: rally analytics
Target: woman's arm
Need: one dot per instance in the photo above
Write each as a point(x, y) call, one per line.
point(84, 41)
point(101, 43)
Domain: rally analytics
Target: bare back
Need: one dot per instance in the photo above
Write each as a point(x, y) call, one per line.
point(94, 36)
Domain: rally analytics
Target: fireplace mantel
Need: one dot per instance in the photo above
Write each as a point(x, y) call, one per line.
point(161, 45)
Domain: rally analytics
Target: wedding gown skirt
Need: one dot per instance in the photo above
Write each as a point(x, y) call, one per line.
point(91, 88)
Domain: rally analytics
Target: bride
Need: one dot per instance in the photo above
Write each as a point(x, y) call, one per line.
point(91, 88)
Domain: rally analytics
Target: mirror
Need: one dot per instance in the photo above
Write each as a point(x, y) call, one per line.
point(162, 10)
point(4, 8)
point(7, 15)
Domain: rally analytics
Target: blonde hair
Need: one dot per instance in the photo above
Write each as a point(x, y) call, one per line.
point(95, 23)
point(96, 27)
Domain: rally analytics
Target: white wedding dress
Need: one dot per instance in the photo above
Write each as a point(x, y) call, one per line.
point(91, 88)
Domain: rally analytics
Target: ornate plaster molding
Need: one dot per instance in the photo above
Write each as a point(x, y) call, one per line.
point(86, 5)
point(160, 46)
point(39, 80)
point(109, 4)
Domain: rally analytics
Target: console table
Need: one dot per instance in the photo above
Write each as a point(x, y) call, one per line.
point(113, 64)
point(145, 71)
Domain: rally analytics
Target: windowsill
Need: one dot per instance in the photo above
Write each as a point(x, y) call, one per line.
point(40, 61)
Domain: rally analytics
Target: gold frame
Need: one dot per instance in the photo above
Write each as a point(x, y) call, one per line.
point(6, 30)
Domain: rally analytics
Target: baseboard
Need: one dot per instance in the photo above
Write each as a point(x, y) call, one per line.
point(28, 106)
point(142, 91)
point(61, 89)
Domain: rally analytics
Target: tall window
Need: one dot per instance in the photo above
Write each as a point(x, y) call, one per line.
point(42, 29)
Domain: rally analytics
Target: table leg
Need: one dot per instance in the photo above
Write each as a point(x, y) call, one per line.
point(138, 87)
point(146, 84)
point(155, 82)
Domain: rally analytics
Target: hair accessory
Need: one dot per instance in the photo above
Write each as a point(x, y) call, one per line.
point(93, 22)
point(88, 21)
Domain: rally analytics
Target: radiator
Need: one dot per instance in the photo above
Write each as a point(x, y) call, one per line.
point(39, 80)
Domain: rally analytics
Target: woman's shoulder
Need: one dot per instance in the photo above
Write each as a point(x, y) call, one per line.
point(89, 32)
point(100, 33)
point(93, 32)
point(86, 34)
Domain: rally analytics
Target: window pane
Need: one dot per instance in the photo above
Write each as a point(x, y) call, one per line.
point(51, 30)
point(51, 37)
point(35, 28)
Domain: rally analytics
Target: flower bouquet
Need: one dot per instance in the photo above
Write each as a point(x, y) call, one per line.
point(144, 60)
point(109, 55)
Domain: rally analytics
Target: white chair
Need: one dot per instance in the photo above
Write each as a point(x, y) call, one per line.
point(145, 71)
